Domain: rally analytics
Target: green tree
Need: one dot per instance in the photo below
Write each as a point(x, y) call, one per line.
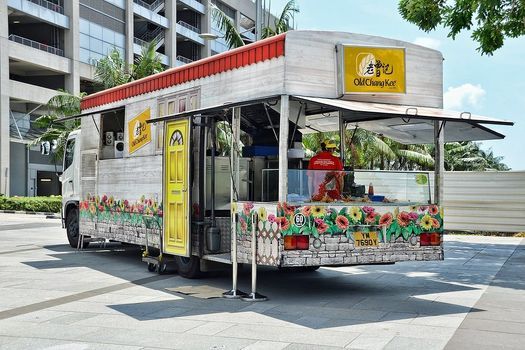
point(112, 70)
point(233, 37)
point(491, 21)
point(62, 105)
point(282, 23)
point(147, 63)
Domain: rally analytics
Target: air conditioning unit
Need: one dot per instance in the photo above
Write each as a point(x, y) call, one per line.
point(109, 138)
point(119, 149)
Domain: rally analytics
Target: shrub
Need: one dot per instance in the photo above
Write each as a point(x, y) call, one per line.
point(50, 204)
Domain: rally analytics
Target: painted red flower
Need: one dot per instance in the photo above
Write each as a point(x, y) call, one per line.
point(104, 198)
point(403, 219)
point(272, 218)
point(306, 211)
point(101, 208)
point(288, 209)
point(368, 210)
point(386, 220)
point(413, 216)
point(370, 218)
point(435, 223)
point(284, 223)
point(244, 225)
point(322, 227)
point(433, 210)
point(342, 222)
point(247, 208)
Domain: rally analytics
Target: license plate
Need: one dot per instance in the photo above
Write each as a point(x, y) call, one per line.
point(365, 239)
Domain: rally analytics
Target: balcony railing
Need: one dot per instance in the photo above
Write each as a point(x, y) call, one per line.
point(189, 26)
point(49, 5)
point(36, 45)
point(183, 59)
point(152, 7)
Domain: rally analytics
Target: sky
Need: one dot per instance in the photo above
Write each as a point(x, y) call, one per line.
point(492, 86)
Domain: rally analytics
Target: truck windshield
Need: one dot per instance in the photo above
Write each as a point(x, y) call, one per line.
point(69, 152)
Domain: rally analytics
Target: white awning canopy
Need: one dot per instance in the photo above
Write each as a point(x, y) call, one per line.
point(405, 124)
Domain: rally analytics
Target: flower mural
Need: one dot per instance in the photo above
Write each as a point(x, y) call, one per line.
point(322, 220)
point(110, 210)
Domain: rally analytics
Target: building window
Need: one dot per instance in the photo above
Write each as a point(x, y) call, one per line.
point(97, 41)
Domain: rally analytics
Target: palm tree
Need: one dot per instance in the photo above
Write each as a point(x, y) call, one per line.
point(147, 63)
point(281, 24)
point(112, 70)
point(227, 26)
point(62, 105)
point(233, 37)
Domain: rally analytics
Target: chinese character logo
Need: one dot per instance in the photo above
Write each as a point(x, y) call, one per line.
point(368, 66)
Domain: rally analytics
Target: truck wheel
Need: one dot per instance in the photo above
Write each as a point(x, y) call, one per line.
point(188, 267)
point(151, 267)
point(72, 229)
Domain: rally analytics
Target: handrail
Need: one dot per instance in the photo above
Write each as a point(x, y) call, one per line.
point(156, 34)
point(36, 45)
point(143, 42)
point(49, 5)
point(189, 26)
point(151, 6)
point(183, 59)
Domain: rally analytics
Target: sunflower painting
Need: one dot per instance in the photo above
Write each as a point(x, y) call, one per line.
point(398, 223)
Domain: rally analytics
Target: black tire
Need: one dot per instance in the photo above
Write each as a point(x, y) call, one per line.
point(162, 268)
point(188, 267)
point(72, 229)
point(151, 267)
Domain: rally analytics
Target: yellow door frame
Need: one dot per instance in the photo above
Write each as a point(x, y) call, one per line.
point(176, 159)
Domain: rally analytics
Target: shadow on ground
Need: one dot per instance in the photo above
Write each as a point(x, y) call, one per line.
point(326, 298)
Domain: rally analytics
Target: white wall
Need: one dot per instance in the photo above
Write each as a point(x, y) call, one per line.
point(485, 201)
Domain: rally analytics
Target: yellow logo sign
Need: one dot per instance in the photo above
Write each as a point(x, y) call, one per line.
point(139, 131)
point(373, 70)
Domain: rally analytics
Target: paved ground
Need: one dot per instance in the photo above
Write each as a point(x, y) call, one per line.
point(52, 297)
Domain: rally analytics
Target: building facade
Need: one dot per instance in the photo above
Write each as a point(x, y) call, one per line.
point(47, 45)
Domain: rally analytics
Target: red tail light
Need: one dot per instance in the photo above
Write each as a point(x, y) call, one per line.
point(290, 242)
point(303, 242)
point(430, 239)
point(297, 242)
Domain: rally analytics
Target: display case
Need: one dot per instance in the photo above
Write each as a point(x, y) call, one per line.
point(400, 188)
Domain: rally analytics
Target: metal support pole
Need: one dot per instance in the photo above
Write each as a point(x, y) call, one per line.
point(234, 293)
point(254, 296)
point(258, 19)
point(283, 147)
point(342, 138)
point(439, 162)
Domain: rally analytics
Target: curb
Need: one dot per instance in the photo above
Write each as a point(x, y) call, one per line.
point(46, 214)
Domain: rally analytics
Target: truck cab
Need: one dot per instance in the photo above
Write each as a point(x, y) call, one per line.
point(70, 179)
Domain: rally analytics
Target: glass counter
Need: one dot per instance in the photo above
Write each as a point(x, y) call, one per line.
point(347, 187)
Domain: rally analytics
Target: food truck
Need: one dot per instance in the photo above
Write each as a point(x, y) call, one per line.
point(145, 168)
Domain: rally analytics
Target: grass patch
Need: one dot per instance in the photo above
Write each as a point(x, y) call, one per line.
point(50, 204)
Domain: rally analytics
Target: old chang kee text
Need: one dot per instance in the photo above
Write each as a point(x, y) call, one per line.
point(386, 83)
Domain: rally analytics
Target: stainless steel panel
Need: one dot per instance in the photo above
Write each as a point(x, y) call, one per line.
point(223, 179)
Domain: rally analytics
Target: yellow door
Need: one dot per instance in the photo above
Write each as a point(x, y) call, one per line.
point(176, 196)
